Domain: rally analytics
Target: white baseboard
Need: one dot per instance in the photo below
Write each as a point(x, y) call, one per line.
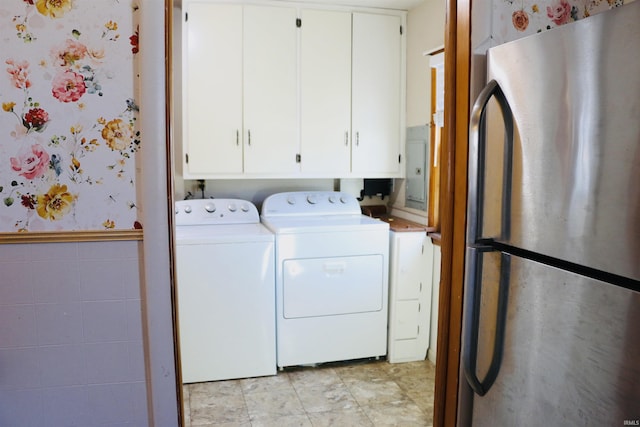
point(431, 355)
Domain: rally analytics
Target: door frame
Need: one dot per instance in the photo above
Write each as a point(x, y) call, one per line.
point(453, 201)
point(453, 178)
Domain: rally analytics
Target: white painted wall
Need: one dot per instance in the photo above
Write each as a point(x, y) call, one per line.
point(425, 33)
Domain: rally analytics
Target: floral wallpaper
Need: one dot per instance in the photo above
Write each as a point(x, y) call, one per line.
point(513, 19)
point(68, 133)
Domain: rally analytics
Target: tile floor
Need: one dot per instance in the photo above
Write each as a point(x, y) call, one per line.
point(360, 393)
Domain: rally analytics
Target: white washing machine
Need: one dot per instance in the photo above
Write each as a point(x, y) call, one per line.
point(225, 284)
point(331, 278)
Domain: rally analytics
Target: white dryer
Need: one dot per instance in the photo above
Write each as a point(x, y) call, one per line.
point(331, 278)
point(225, 284)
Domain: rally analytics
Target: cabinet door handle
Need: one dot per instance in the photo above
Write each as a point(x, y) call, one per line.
point(346, 138)
point(237, 137)
point(249, 137)
point(357, 139)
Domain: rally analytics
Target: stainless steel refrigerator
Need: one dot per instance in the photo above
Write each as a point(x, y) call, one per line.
point(551, 328)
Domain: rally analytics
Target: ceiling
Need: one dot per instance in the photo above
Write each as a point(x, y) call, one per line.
point(384, 4)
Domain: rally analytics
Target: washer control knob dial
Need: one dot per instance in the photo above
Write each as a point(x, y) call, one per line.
point(233, 207)
point(312, 199)
point(244, 208)
point(343, 199)
point(332, 199)
point(210, 207)
point(291, 200)
point(187, 209)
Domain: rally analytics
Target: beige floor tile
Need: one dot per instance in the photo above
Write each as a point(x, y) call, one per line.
point(411, 368)
point(370, 392)
point(262, 384)
point(273, 404)
point(416, 384)
point(313, 377)
point(217, 402)
point(323, 398)
point(363, 371)
point(397, 414)
point(219, 409)
point(423, 400)
point(362, 393)
point(350, 417)
point(214, 388)
point(186, 407)
point(286, 421)
point(223, 424)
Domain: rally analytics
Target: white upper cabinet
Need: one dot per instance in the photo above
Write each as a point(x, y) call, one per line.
point(351, 94)
point(212, 97)
point(270, 90)
point(376, 95)
point(325, 92)
point(240, 90)
point(291, 91)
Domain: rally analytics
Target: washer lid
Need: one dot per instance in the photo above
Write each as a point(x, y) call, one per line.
point(212, 234)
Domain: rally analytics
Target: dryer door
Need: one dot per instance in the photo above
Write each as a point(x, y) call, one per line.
point(315, 287)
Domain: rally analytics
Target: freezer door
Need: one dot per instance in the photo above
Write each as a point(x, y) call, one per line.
point(558, 145)
point(570, 351)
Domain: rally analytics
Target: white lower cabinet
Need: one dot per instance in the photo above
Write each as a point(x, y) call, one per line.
point(410, 284)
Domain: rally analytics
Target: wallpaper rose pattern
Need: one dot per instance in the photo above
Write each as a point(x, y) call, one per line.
point(513, 19)
point(68, 132)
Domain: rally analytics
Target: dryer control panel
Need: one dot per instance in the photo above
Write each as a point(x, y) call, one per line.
point(310, 203)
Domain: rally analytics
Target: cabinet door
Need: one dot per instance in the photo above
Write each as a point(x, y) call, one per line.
point(212, 87)
point(325, 86)
point(413, 255)
point(270, 90)
point(376, 99)
point(407, 319)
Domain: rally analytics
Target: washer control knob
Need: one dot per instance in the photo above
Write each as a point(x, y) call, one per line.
point(187, 209)
point(210, 207)
point(233, 207)
point(244, 208)
point(312, 199)
point(343, 199)
point(332, 199)
point(291, 200)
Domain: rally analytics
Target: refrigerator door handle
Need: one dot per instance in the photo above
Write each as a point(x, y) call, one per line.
point(477, 154)
point(472, 303)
